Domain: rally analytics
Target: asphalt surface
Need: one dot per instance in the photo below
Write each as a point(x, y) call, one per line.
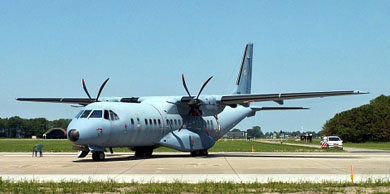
point(218, 167)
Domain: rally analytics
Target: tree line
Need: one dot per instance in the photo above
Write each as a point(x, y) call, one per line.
point(256, 132)
point(25, 128)
point(370, 122)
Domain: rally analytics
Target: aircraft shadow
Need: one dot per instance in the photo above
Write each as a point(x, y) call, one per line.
point(124, 157)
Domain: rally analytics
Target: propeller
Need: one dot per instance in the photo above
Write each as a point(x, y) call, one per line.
point(194, 103)
point(100, 90)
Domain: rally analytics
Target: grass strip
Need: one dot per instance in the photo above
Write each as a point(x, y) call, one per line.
point(369, 145)
point(365, 145)
point(178, 187)
point(223, 145)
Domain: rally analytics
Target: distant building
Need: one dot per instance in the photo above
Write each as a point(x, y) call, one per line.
point(306, 137)
point(235, 135)
point(55, 133)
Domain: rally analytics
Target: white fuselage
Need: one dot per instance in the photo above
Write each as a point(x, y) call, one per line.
point(146, 123)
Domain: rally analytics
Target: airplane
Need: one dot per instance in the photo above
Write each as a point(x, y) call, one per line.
point(185, 123)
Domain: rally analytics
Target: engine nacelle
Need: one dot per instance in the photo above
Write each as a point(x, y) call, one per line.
point(209, 106)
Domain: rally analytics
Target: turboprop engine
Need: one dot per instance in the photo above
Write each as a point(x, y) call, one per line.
point(209, 106)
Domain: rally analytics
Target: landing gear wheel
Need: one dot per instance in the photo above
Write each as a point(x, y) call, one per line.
point(98, 156)
point(199, 153)
point(148, 153)
point(205, 153)
point(143, 152)
point(138, 153)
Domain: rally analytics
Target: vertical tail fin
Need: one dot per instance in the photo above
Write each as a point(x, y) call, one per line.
point(244, 80)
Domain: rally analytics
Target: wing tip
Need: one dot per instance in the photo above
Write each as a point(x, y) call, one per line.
point(360, 92)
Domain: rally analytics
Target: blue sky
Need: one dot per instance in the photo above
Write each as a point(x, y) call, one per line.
point(47, 47)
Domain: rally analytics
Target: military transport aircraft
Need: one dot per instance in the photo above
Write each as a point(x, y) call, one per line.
point(185, 123)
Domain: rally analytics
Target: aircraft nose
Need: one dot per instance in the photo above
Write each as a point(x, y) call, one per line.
point(74, 135)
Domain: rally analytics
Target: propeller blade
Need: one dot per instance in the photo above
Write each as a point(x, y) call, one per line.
point(204, 85)
point(185, 85)
point(85, 89)
point(101, 88)
point(181, 127)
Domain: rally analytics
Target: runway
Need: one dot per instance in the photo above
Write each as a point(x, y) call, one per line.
point(218, 167)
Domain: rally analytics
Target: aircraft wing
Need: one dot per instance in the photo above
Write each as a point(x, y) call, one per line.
point(279, 98)
point(81, 101)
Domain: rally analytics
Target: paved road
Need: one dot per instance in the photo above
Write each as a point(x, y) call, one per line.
point(169, 167)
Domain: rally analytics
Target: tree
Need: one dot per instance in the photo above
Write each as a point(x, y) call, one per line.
point(14, 123)
point(60, 123)
point(255, 132)
point(370, 122)
point(10, 127)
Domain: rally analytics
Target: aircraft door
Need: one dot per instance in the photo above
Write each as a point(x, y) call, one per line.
point(104, 129)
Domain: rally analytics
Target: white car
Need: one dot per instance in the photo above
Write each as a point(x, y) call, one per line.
point(332, 142)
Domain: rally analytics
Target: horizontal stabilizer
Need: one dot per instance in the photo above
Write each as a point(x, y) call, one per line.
point(249, 98)
point(278, 108)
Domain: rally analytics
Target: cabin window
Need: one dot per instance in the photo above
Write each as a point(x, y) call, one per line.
point(106, 115)
point(85, 114)
point(96, 114)
point(150, 121)
point(179, 121)
point(175, 122)
point(167, 122)
point(171, 122)
point(78, 114)
point(138, 123)
point(113, 115)
point(208, 122)
point(154, 121)
point(146, 121)
point(159, 121)
point(132, 121)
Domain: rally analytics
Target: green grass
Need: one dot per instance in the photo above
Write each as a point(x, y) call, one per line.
point(369, 145)
point(315, 141)
point(206, 187)
point(246, 146)
point(26, 145)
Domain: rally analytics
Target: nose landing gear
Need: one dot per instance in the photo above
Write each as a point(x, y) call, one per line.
point(98, 156)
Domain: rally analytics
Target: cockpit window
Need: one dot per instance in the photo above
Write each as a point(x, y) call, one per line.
point(78, 114)
point(85, 114)
point(96, 114)
point(113, 115)
point(106, 115)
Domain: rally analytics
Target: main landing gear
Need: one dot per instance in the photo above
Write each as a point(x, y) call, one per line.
point(143, 152)
point(199, 153)
point(98, 156)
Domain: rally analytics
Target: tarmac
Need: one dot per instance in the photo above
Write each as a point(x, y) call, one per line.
point(217, 167)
